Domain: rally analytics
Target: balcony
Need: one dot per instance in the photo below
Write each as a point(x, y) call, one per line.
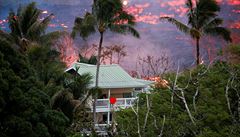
point(103, 105)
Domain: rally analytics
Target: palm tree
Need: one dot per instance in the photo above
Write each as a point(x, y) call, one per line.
point(106, 15)
point(27, 28)
point(74, 94)
point(202, 19)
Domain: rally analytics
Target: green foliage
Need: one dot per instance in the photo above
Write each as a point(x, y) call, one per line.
point(49, 68)
point(212, 115)
point(37, 98)
point(91, 60)
point(234, 49)
point(106, 14)
point(79, 85)
point(27, 28)
point(202, 20)
point(24, 105)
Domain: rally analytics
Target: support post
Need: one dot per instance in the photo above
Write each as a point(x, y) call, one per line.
point(109, 109)
point(125, 103)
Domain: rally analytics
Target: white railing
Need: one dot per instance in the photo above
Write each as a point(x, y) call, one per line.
point(103, 105)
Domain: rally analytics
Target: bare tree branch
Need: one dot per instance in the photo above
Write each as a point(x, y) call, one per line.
point(137, 115)
point(163, 123)
point(148, 110)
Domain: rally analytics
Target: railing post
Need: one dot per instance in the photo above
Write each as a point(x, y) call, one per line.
point(125, 103)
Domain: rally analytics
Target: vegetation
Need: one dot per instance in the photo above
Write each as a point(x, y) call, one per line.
point(37, 98)
point(202, 19)
point(27, 29)
point(213, 106)
point(25, 102)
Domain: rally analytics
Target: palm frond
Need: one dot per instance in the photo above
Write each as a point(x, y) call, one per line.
point(82, 59)
point(77, 24)
point(189, 4)
point(213, 23)
point(60, 98)
point(194, 33)
point(4, 41)
point(124, 29)
point(33, 31)
point(80, 85)
point(45, 22)
point(190, 12)
point(207, 6)
point(28, 16)
point(93, 60)
point(6, 36)
point(219, 31)
point(14, 24)
point(50, 38)
point(182, 27)
point(84, 26)
point(204, 12)
point(204, 19)
point(105, 10)
point(124, 17)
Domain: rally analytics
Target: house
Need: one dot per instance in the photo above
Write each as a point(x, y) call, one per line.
point(114, 82)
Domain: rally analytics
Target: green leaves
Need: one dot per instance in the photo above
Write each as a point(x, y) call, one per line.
point(219, 31)
point(84, 26)
point(106, 14)
point(80, 85)
point(182, 27)
point(24, 105)
point(124, 29)
point(27, 28)
point(202, 19)
point(91, 60)
point(212, 114)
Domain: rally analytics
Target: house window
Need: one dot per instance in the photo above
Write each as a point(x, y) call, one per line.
point(138, 89)
point(104, 116)
point(103, 96)
point(127, 95)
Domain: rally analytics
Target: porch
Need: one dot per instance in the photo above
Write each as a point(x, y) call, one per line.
point(103, 105)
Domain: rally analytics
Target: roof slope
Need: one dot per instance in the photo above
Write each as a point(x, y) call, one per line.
point(110, 76)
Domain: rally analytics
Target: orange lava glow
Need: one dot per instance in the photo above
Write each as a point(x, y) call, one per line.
point(178, 6)
point(236, 37)
point(3, 23)
point(234, 2)
point(236, 11)
point(66, 47)
point(235, 25)
point(149, 19)
point(159, 82)
point(137, 11)
point(166, 15)
point(137, 8)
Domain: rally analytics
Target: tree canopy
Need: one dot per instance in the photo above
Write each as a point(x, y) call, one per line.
point(203, 19)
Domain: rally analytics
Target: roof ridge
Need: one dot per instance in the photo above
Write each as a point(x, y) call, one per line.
point(91, 65)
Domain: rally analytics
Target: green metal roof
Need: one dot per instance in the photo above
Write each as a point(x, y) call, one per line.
point(110, 76)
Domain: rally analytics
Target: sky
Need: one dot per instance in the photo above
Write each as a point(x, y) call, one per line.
point(157, 37)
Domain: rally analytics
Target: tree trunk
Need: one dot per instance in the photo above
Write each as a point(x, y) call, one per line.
point(198, 51)
point(97, 77)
